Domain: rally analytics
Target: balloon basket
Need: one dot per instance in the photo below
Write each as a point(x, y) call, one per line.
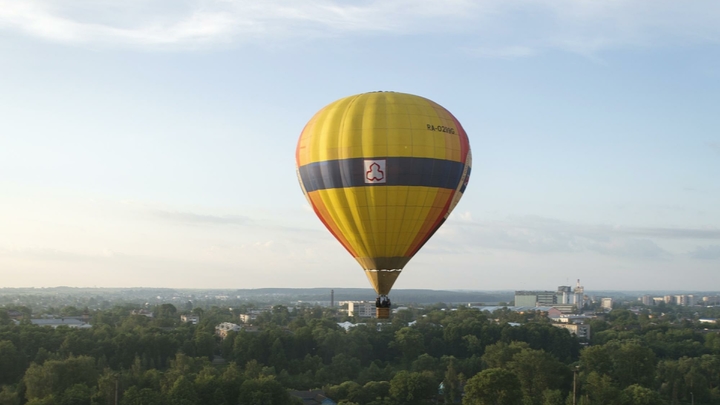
point(382, 313)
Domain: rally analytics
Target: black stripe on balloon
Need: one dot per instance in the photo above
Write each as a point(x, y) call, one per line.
point(465, 183)
point(399, 171)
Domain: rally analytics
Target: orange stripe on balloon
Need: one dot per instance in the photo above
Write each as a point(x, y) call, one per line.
point(464, 142)
point(322, 212)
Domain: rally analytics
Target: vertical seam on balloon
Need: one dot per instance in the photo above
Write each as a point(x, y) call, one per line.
point(414, 240)
point(341, 223)
point(354, 223)
point(409, 245)
point(370, 191)
point(383, 249)
point(367, 190)
point(407, 188)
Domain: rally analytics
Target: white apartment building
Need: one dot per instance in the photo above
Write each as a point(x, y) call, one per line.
point(606, 303)
point(363, 309)
point(225, 327)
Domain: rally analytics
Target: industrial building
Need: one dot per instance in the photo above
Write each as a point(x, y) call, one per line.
point(564, 296)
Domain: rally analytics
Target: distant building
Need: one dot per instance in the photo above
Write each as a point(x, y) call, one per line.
point(361, 309)
point(224, 328)
point(563, 295)
point(347, 325)
point(582, 331)
point(193, 319)
point(142, 312)
point(251, 315)
point(248, 318)
point(312, 397)
point(647, 300)
point(565, 308)
point(13, 314)
point(554, 313)
point(715, 300)
point(564, 318)
point(606, 303)
point(535, 298)
point(579, 295)
point(55, 322)
point(492, 309)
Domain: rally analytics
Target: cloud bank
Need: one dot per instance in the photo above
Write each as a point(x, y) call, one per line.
point(491, 28)
point(544, 235)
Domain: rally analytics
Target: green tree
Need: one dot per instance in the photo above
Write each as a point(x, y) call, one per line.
point(425, 362)
point(78, 394)
point(626, 363)
point(499, 354)
point(204, 344)
point(451, 385)
point(183, 393)
point(553, 397)
point(409, 341)
point(12, 363)
point(230, 382)
point(264, 391)
point(144, 396)
point(413, 388)
point(55, 376)
point(206, 384)
point(8, 396)
point(372, 391)
point(538, 371)
point(638, 395)
point(494, 386)
point(600, 389)
point(48, 400)
point(342, 391)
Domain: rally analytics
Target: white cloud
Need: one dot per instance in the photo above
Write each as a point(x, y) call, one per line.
point(711, 252)
point(492, 28)
point(194, 218)
point(543, 235)
point(465, 216)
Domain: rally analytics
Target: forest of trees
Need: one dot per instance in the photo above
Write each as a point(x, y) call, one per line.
point(423, 356)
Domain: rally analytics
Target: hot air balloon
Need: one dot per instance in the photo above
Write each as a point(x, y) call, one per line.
point(383, 171)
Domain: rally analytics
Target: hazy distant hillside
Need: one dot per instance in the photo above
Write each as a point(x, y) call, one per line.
point(397, 296)
point(264, 295)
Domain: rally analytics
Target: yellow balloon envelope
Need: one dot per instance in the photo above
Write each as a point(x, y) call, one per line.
point(383, 171)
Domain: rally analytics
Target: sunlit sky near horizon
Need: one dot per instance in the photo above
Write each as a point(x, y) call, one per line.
point(151, 143)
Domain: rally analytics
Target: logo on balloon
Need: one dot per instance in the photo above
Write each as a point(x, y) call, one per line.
point(375, 171)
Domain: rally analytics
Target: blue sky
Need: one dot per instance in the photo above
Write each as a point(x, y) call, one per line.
point(151, 143)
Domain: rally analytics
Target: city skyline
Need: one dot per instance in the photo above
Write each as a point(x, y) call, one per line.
point(153, 144)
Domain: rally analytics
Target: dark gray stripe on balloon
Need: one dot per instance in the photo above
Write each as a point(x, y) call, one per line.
point(381, 171)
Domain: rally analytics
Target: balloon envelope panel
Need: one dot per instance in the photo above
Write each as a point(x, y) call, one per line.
point(383, 171)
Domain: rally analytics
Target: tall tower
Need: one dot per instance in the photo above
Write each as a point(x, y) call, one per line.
point(332, 298)
point(579, 295)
